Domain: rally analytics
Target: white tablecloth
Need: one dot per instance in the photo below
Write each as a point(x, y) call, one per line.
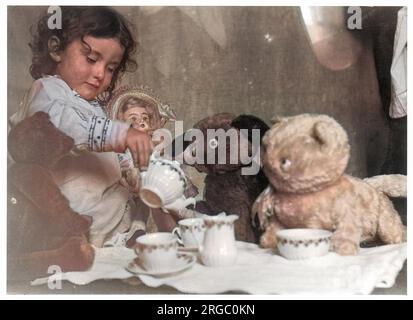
point(259, 271)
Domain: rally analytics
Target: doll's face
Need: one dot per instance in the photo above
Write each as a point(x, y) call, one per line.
point(138, 118)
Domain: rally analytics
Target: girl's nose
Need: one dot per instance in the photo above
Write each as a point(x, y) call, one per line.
point(99, 71)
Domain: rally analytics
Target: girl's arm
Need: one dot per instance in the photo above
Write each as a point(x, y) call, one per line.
point(96, 133)
point(112, 135)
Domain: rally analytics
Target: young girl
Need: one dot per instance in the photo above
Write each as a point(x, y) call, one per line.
point(72, 67)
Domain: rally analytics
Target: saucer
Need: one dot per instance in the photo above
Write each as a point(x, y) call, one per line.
point(183, 261)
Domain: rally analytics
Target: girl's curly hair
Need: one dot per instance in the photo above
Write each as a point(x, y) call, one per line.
point(78, 22)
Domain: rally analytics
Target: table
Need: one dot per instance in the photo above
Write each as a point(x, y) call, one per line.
point(134, 286)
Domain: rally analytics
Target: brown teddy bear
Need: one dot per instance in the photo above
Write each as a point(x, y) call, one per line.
point(226, 188)
point(42, 228)
point(304, 158)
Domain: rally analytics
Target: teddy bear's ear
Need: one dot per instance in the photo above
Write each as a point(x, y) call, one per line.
point(276, 119)
point(323, 134)
point(250, 123)
point(41, 118)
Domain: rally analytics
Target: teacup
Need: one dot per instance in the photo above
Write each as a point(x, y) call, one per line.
point(163, 185)
point(190, 232)
point(157, 251)
point(298, 244)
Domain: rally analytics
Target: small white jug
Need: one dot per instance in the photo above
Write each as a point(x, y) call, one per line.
point(219, 247)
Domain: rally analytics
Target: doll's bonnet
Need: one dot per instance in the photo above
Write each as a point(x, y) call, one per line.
point(160, 112)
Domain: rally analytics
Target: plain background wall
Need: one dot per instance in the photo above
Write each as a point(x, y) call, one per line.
point(204, 60)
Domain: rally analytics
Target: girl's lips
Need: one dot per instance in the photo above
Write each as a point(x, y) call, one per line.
point(93, 85)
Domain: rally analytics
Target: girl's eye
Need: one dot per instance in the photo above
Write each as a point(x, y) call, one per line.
point(90, 60)
point(111, 70)
point(285, 164)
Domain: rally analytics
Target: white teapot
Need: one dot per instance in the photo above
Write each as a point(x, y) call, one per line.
point(163, 185)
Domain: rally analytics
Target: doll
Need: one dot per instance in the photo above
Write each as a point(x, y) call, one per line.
point(139, 107)
point(144, 112)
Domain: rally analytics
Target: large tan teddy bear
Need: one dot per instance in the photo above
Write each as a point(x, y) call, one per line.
point(304, 158)
point(43, 230)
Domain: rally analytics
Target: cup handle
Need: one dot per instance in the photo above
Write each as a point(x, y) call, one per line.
point(177, 232)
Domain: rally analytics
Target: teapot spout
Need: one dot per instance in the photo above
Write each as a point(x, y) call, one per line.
point(180, 203)
point(189, 201)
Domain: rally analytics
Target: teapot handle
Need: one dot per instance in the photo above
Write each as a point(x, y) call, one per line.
point(156, 154)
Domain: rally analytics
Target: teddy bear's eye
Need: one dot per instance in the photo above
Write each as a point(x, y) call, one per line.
point(285, 164)
point(213, 143)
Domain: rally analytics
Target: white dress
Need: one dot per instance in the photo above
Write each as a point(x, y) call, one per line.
point(88, 179)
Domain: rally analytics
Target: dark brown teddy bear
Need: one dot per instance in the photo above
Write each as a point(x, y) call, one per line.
point(226, 188)
point(42, 229)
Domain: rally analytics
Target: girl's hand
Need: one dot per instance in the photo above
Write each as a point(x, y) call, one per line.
point(140, 145)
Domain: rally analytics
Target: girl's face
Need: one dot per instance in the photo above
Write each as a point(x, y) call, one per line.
point(89, 72)
point(138, 117)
